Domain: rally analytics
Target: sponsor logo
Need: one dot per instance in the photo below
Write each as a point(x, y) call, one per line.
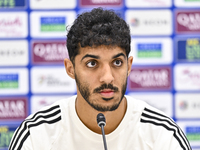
point(149, 50)
point(189, 49)
point(149, 22)
point(150, 78)
point(155, 22)
point(187, 3)
point(13, 108)
point(134, 22)
point(51, 80)
point(101, 2)
point(13, 52)
point(13, 81)
point(188, 22)
point(187, 77)
point(183, 105)
point(52, 24)
point(7, 3)
point(161, 100)
point(52, 4)
point(6, 134)
point(193, 133)
point(187, 105)
point(148, 3)
point(146, 22)
point(8, 81)
point(13, 24)
point(12, 3)
point(49, 52)
point(38, 102)
point(191, 130)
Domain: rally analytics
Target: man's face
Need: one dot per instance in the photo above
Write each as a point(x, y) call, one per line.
point(101, 76)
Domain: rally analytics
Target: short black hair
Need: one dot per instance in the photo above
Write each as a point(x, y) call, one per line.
point(95, 28)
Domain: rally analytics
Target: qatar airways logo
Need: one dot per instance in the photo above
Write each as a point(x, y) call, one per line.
point(188, 21)
point(150, 78)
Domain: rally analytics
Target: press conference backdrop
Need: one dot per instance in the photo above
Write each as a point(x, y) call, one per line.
point(165, 45)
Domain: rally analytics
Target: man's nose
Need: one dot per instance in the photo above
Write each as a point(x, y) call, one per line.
point(106, 75)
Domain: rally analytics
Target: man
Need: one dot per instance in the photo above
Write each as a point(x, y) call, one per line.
point(98, 43)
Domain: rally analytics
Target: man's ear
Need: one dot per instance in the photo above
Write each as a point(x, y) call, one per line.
point(130, 61)
point(69, 68)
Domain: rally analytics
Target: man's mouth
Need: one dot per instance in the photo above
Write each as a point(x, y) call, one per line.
point(107, 93)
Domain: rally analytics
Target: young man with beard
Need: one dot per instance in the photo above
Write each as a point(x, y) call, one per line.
point(99, 44)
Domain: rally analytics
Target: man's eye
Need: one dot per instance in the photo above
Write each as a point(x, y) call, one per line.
point(91, 64)
point(117, 63)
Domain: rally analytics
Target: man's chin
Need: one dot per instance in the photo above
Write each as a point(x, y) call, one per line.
point(105, 108)
point(107, 99)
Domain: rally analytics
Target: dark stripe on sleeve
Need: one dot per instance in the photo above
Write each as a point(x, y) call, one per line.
point(150, 118)
point(28, 123)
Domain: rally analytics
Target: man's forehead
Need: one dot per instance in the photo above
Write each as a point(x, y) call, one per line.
point(100, 50)
point(100, 56)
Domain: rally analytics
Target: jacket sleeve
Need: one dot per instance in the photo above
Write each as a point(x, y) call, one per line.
point(21, 139)
point(171, 139)
point(161, 132)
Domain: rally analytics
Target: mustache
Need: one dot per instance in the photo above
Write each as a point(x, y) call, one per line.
point(106, 86)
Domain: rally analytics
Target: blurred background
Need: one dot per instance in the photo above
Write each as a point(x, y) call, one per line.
point(165, 46)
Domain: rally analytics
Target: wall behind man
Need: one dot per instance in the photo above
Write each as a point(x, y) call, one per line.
point(165, 45)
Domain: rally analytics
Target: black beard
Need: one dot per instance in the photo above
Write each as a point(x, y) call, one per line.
point(84, 90)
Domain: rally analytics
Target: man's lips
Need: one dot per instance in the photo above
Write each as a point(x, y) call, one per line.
point(107, 93)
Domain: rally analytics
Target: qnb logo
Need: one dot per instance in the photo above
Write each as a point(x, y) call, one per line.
point(50, 51)
point(10, 23)
point(191, 21)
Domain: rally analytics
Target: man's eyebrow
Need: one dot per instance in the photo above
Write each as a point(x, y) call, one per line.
point(92, 56)
point(120, 54)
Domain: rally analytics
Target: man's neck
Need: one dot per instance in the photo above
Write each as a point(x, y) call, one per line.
point(88, 116)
